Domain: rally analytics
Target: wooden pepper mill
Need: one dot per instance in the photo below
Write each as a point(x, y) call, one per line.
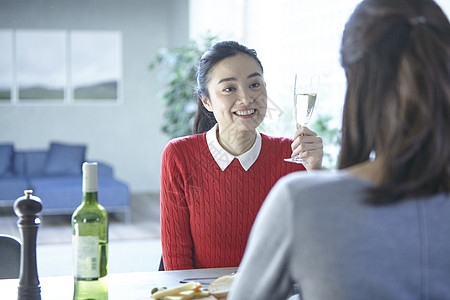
point(27, 208)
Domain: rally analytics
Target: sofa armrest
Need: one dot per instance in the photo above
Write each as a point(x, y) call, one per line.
point(104, 170)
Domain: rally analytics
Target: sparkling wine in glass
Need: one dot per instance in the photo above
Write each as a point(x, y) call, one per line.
point(305, 94)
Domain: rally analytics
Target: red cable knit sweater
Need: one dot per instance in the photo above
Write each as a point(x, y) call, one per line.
point(207, 213)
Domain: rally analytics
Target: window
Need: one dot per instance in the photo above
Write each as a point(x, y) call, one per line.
point(290, 36)
point(60, 67)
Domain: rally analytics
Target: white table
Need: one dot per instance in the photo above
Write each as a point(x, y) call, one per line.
point(129, 286)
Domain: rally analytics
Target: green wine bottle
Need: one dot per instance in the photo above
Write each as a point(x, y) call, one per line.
point(90, 242)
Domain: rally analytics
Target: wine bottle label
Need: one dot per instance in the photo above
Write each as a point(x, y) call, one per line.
point(86, 254)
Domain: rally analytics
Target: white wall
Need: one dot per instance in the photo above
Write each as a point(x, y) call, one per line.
point(127, 135)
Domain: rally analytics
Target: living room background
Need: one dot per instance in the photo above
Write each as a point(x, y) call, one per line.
point(126, 134)
point(289, 35)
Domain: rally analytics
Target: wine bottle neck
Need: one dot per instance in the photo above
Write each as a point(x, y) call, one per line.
point(90, 198)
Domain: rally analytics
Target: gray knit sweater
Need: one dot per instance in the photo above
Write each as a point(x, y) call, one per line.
point(315, 230)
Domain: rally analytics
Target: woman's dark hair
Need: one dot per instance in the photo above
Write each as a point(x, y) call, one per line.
point(396, 56)
point(204, 119)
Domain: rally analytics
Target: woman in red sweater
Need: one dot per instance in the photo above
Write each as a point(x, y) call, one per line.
point(214, 182)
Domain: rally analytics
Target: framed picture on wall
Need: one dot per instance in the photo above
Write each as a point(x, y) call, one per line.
point(41, 65)
point(60, 66)
point(95, 64)
point(6, 68)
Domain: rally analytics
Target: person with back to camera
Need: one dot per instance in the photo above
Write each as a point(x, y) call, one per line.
point(377, 228)
point(214, 182)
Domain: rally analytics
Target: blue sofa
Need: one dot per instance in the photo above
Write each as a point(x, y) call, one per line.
point(55, 176)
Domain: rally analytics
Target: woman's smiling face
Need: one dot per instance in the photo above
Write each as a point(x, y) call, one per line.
point(237, 93)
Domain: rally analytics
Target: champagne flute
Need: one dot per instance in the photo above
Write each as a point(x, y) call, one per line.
point(305, 94)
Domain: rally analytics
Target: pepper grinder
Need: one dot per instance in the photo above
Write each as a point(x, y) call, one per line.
point(27, 208)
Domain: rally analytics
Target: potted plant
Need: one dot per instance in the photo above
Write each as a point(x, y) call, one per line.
point(178, 67)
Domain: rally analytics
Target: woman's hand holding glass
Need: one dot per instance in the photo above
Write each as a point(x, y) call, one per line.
point(309, 147)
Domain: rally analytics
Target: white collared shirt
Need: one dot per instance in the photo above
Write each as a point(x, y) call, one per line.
point(224, 158)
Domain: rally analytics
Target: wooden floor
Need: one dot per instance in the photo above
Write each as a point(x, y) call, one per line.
point(57, 229)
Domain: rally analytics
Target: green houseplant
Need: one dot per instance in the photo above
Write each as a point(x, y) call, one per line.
point(177, 69)
point(331, 140)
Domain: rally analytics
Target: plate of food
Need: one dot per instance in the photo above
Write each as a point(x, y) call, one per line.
point(217, 289)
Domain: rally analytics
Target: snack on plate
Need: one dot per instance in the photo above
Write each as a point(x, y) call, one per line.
point(220, 287)
point(182, 292)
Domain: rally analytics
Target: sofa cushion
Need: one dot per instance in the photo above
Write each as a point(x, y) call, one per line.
point(63, 159)
point(6, 153)
point(18, 165)
point(13, 187)
point(34, 163)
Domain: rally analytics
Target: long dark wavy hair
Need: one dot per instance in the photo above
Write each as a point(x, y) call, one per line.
point(396, 56)
point(204, 120)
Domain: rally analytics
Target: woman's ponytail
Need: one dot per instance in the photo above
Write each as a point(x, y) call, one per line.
point(204, 120)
